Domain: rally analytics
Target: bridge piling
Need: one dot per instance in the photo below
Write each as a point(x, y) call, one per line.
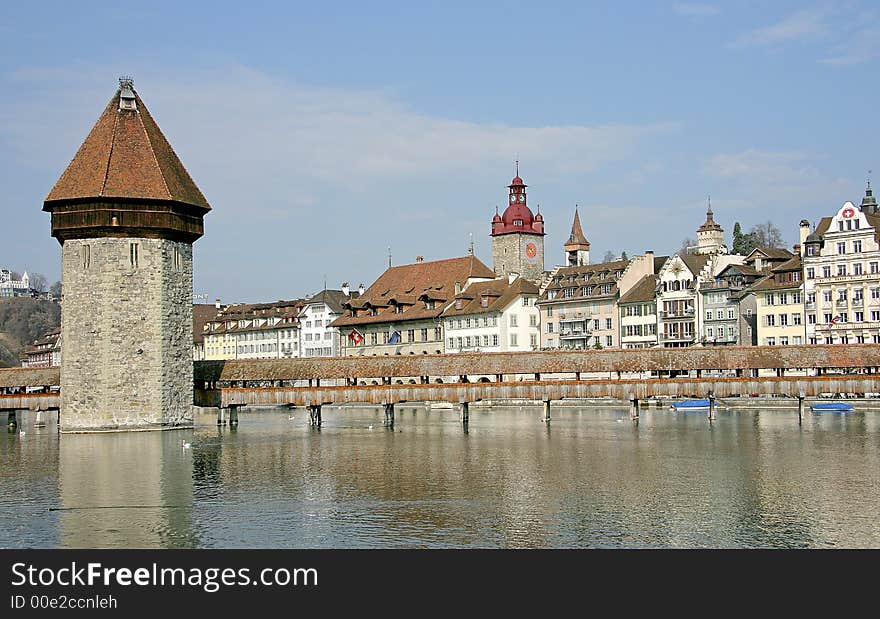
point(233, 415)
point(465, 412)
point(221, 416)
point(39, 421)
point(389, 413)
point(711, 406)
point(11, 420)
point(546, 411)
point(315, 415)
point(801, 397)
point(633, 407)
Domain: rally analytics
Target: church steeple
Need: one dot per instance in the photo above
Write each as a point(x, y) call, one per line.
point(577, 248)
point(710, 235)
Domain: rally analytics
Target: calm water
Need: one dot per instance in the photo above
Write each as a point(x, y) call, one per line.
point(592, 479)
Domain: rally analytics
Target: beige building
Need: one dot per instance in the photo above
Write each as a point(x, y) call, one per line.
point(638, 314)
point(254, 331)
point(780, 305)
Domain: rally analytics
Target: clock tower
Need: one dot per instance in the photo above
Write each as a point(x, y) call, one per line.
point(518, 235)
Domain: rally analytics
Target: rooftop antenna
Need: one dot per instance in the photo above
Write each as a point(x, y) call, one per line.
point(389, 256)
point(471, 248)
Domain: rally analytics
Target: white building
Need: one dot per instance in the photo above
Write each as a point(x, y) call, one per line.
point(317, 337)
point(10, 287)
point(842, 276)
point(493, 316)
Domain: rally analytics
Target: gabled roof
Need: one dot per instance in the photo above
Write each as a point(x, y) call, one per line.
point(498, 293)
point(695, 262)
point(203, 313)
point(582, 276)
point(333, 299)
point(125, 155)
point(770, 282)
point(416, 281)
point(644, 290)
point(577, 234)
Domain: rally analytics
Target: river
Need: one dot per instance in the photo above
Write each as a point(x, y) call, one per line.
point(591, 478)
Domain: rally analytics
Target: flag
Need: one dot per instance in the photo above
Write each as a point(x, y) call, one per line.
point(356, 336)
point(394, 338)
point(834, 321)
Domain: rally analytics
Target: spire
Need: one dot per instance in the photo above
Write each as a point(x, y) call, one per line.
point(869, 202)
point(710, 223)
point(577, 234)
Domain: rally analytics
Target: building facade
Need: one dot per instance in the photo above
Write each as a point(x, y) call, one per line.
point(401, 312)
point(126, 213)
point(317, 337)
point(44, 352)
point(842, 273)
point(493, 316)
point(12, 287)
point(780, 305)
point(638, 314)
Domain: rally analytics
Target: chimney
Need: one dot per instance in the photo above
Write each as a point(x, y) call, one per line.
point(797, 249)
point(420, 258)
point(217, 304)
point(345, 289)
point(361, 289)
point(804, 232)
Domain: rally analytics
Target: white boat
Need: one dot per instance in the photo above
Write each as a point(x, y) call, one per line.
point(434, 406)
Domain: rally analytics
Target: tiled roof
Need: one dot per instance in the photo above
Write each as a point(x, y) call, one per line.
point(414, 281)
point(332, 299)
point(695, 262)
point(774, 252)
point(769, 282)
point(643, 290)
point(202, 313)
point(498, 293)
point(126, 156)
point(579, 277)
point(577, 234)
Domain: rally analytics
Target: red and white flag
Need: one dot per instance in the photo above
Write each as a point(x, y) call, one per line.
point(356, 336)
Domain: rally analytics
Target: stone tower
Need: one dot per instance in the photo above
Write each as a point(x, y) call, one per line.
point(577, 247)
point(518, 236)
point(710, 236)
point(126, 213)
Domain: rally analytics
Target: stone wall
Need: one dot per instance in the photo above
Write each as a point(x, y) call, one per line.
point(508, 256)
point(127, 333)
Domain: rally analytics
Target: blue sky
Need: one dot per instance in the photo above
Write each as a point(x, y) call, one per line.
point(321, 134)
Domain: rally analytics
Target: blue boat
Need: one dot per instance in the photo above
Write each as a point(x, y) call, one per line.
point(691, 405)
point(834, 407)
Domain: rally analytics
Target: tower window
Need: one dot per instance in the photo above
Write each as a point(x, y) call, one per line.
point(133, 254)
point(86, 253)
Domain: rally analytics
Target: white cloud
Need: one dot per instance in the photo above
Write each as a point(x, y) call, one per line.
point(800, 25)
point(692, 9)
point(861, 46)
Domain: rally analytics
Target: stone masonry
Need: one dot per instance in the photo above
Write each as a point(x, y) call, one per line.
point(127, 317)
point(508, 256)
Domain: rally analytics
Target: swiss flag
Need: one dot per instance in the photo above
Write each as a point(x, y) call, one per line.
point(356, 336)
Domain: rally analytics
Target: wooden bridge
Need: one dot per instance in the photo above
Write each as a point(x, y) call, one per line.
point(544, 376)
point(634, 375)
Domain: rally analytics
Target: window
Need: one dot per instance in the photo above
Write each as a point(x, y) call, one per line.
point(438, 334)
point(857, 268)
point(770, 299)
point(596, 324)
point(841, 295)
point(708, 314)
point(797, 340)
point(873, 268)
point(719, 314)
point(796, 297)
point(467, 323)
point(513, 343)
point(860, 317)
point(875, 316)
point(860, 339)
point(771, 341)
point(731, 314)
point(86, 254)
point(467, 341)
point(826, 296)
point(769, 320)
point(424, 334)
point(533, 340)
point(133, 254)
point(841, 270)
point(710, 332)
point(549, 327)
point(827, 318)
point(494, 340)
point(796, 319)
point(843, 316)
point(609, 341)
point(533, 320)
point(826, 271)
point(783, 341)
point(410, 335)
point(783, 320)
point(875, 293)
point(608, 324)
point(374, 337)
point(549, 312)
point(458, 341)
point(811, 319)
point(857, 294)
point(451, 342)
point(857, 247)
point(512, 320)
point(783, 298)
point(811, 273)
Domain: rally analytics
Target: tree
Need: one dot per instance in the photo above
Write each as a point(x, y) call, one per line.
point(55, 290)
point(767, 235)
point(685, 244)
point(609, 256)
point(38, 282)
point(623, 256)
point(743, 243)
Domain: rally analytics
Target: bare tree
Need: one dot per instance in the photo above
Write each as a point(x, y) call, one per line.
point(767, 235)
point(55, 290)
point(686, 244)
point(38, 282)
point(609, 256)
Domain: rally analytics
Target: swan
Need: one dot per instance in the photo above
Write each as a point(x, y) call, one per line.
point(21, 432)
point(290, 418)
point(186, 445)
point(369, 427)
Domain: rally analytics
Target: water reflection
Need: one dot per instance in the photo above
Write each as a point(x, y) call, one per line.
point(592, 478)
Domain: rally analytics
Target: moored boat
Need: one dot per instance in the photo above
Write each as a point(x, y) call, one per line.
point(689, 405)
point(836, 407)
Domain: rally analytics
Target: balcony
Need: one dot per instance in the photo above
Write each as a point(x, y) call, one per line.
point(858, 302)
point(574, 335)
point(841, 304)
point(574, 317)
point(685, 313)
point(675, 337)
point(810, 305)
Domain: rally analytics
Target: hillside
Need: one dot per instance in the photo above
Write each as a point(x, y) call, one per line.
point(22, 320)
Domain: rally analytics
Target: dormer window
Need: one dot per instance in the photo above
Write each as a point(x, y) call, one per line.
point(398, 309)
point(517, 222)
point(484, 301)
point(458, 304)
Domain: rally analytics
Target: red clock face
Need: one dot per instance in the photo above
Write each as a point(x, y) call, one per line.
point(848, 213)
point(531, 250)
